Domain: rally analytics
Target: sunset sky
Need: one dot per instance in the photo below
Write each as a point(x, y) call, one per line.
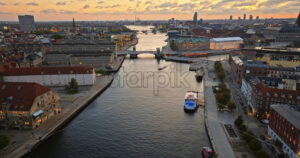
point(146, 9)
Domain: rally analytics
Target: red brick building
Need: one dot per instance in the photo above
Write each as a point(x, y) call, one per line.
point(284, 126)
point(264, 96)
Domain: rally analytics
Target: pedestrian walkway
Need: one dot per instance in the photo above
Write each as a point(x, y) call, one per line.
point(219, 139)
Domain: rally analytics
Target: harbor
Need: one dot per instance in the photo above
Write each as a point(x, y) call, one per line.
point(142, 116)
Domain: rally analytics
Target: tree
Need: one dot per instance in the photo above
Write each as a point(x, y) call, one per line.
point(220, 107)
point(57, 37)
point(255, 144)
point(4, 141)
point(239, 121)
point(248, 136)
point(72, 87)
point(261, 154)
point(231, 106)
point(173, 46)
point(298, 20)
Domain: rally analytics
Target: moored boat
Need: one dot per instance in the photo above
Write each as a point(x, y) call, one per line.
point(190, 101)
point(199, 74)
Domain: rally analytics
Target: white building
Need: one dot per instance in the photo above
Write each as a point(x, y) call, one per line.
point(52, 76)
point(225, 43)
point(247, 92)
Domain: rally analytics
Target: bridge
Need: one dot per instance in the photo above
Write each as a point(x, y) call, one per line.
point(136, 52)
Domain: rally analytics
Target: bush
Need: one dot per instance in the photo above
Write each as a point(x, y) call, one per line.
point(248, 136)
point(72, 87)
point(4, 141)
point(261, 154)
point(173, 46)
point(231, 106)
point(255, 144)
point(221, 107)
point(239, 121)
point(100, 72)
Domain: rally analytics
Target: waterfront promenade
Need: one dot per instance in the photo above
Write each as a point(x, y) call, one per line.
point(216, 133)
point(23, 141)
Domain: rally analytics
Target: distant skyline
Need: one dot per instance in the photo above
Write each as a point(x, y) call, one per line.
point(88, 10)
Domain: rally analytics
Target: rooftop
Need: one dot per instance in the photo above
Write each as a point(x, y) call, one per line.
point(226, 39)
point(19, 96)
point(48, 70)
point(290, 113)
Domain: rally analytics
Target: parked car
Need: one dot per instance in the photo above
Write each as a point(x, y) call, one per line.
point(207, 152)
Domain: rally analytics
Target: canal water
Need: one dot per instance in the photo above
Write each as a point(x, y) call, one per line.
point(140, 115)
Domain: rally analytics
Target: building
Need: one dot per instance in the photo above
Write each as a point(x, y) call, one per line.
point(96, 53)
point(26, 23)
point(225, 43)
point(230, 18)
point(288, 34)
point(250, 17)
point(26, 105)
point(242, 67)
point(195, 19)
point(192, 43)
point(51, 76)
point(284, 125)
point(245, 16)
point(268, 90)
point(257, 17)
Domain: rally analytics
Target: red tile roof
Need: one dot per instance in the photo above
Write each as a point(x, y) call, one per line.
point(48, 70)
point(21, 94)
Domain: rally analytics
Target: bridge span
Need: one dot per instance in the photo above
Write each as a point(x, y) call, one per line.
point(136, 52)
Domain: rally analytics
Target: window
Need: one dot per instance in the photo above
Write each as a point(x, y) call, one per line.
point(26, 123)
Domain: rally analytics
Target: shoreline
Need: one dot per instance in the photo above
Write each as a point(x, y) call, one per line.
point(62, 119)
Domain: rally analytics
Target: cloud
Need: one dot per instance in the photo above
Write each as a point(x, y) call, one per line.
point(86, 6)
point(48, 11)
point(100, 2)
point(168, 5)
point(1, 3)
point(61, 3)
point(16, 4)
point(67, 12)
point(113, 6)
point(32, 4)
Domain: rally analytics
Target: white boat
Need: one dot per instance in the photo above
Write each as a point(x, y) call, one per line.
point(190, 101)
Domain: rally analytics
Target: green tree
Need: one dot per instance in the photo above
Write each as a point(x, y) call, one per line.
point(221, 107)
point(255, 145)
point(239, 121)
point(231, 106)
point(72, 87)
point(173, 45)
point(57, 37)
point(4, 141)
point(248, 136)
point(262, 154)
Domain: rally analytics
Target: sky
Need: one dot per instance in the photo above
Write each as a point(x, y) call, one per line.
point(85, 10)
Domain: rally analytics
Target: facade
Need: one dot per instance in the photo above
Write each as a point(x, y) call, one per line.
point(248, 68)
point(26, 105)
point(27, 23)
point(267, 91)
point(284, 125)
point(288, 34)
point(52, 76)
point(192, 43)
point(225, 43)
point(246, 90)
point(283, 60)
